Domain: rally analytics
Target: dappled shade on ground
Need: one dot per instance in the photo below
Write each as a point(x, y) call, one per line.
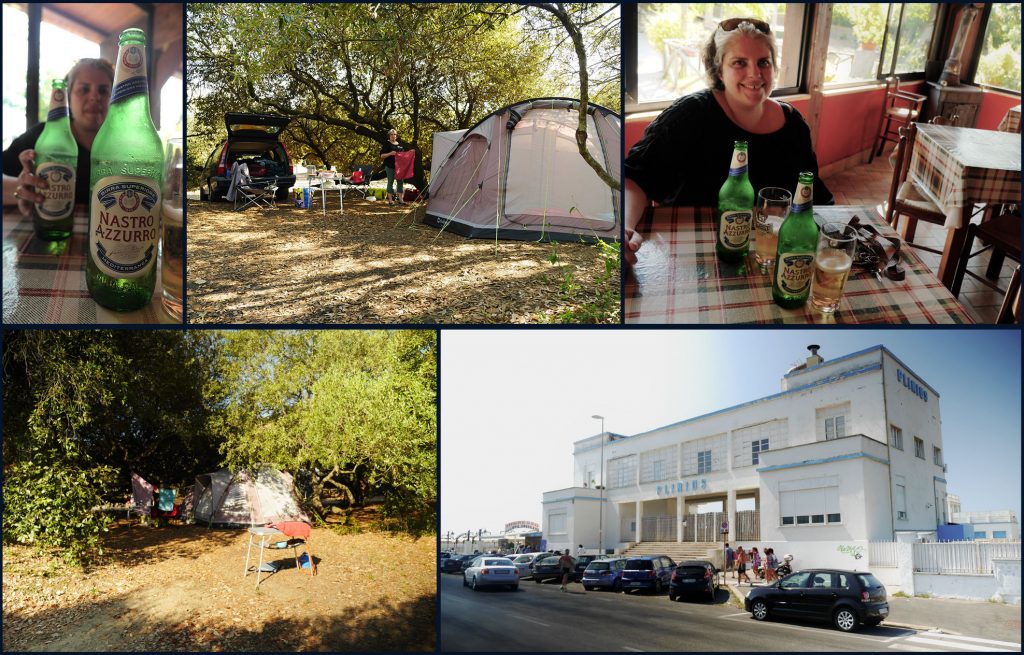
point(374, 264)
point(180, 588)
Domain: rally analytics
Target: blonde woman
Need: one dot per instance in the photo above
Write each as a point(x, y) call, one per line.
point(387, 153)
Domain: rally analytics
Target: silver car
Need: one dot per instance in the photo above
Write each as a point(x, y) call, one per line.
point(491, 570)
point(525, 563)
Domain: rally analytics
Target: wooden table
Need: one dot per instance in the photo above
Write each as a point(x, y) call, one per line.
point(678, 279)
point(44, 281)
point(958, 167)
point(1011, 121)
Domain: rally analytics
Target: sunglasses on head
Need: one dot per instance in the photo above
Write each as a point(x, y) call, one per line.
point(729, 24)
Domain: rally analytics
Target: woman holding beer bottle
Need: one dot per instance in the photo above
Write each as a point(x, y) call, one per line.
point(89, 85)
point(683, 157)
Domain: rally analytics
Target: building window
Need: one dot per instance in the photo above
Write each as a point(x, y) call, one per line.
point(919, 447)
point(810, 502)
point(556, 523)
point(937, 456)
point(869, 41)
point(832, 421)
point(663, 58)
point(999, 64)
point(621, 472)
point(659, 464)
point(980, 535)
point(756, 448)
point(895, 437)
point(900, 490)
point(704, 461)
point(999, 534)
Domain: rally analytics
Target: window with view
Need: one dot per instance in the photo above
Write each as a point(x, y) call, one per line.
point(872, 40)
point(895, 437)
point(670, 37)
point(999, 64)
point(919, 447)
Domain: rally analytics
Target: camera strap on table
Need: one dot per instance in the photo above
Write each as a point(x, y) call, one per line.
point(877, 252)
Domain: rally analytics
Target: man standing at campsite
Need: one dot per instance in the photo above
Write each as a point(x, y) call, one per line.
point(730, 557)
point(566, 564)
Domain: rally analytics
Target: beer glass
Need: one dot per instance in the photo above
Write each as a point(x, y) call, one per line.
point(837, 246)
point(173, 239)
point(770, 210)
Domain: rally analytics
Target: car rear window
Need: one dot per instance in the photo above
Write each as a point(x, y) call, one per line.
point(692, 570)
point(499, 561)
point(549, 560)
point(868, 580)
point(640, 565)
point(598, 566)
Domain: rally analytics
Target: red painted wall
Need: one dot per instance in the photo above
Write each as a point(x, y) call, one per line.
point(993, 108)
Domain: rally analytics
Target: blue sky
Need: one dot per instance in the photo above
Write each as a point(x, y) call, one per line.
point(513, 401)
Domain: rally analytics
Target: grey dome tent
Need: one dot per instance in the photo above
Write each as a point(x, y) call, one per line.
point(245, 498)
point(518, 174)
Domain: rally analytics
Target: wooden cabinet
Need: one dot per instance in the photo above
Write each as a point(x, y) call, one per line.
point(959, 104)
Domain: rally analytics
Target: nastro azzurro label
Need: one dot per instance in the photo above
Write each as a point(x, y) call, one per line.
point(60, 196)
point(125, 226)
point(734, 230)
point(793, 271)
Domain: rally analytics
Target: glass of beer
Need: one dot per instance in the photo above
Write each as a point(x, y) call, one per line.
point(770, 210)
point(172, 243)
point(837, 246)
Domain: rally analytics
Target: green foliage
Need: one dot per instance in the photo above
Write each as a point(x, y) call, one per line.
point(867, 20)
point(664, 21)
point(48, 504)
point(606, 307)
point(1000, 67)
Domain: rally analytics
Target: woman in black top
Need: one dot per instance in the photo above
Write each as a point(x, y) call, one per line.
point(387, 153)
point(683, 157)
point(89, 84)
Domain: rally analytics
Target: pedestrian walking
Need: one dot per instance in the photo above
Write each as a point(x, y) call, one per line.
point(741, 566)
point(730, 559)
point(771, 564)
point(567, 564)
point(579, 550)
point(755, 562)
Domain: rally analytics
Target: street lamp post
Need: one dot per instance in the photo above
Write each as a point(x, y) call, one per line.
point(600, 509)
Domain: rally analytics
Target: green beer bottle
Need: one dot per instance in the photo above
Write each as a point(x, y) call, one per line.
point(126, 180)
point(798, 239)
point(57, 163)
point(735, 209)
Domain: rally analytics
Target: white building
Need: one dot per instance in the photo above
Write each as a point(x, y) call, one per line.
point(849, 451)
point(991, 525)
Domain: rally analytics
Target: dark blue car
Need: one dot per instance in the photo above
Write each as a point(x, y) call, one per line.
point(604, 574)
point(648, 572)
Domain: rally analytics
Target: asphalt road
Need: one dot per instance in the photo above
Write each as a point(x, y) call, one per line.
point(539, 617)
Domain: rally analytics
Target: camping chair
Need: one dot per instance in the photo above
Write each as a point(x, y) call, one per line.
point(360, 180)
point(165, 507)
point(245, 192)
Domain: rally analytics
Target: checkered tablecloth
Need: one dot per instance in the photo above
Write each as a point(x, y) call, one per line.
point(678, 279)
point(960, 166)
point(1011, 122)
point(44, 281)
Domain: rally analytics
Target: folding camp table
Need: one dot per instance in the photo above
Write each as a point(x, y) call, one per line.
point(263, 538)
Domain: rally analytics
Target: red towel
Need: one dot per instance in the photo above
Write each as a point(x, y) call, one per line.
point(404, 164)
point(293, 529)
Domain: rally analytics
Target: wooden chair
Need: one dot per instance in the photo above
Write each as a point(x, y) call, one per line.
point(900, 107)
point(1002, 234)
point(905, 199)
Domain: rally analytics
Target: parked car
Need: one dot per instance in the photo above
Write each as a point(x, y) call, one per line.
point(491, 570)
point(650, 572)
point(846, 598)
point(254, 140)
point(693, 576)
point(526, 561)
point(604, 574)
point(581, 565)
point(453, 564)
point(466, 561)
point(549, 569)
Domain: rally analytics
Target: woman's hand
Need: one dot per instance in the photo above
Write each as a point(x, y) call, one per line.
point(28, 183)
point(633, 241)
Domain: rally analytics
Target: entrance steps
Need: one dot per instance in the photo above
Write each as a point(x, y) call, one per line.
point(704, 550)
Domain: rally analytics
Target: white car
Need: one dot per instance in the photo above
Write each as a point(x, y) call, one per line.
point(525, 562)
point(491, 570)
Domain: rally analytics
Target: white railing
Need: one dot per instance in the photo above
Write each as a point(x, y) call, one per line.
point(961, 556)
point(984, 517)
point(883, 553)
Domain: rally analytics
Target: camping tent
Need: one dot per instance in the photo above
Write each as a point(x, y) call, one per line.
point(519, 173)
point(246, 497)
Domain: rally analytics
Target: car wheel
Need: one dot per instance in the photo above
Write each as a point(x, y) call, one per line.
point(657, 586)
point(759, 610)
point(282, 194)
point(618, 586)
point(514, 587)
point(672, 596)
point(473, 584)
point(588, 588)
point(845, 619)
point(536, 579)
point(203, 195)
point(464, 583)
